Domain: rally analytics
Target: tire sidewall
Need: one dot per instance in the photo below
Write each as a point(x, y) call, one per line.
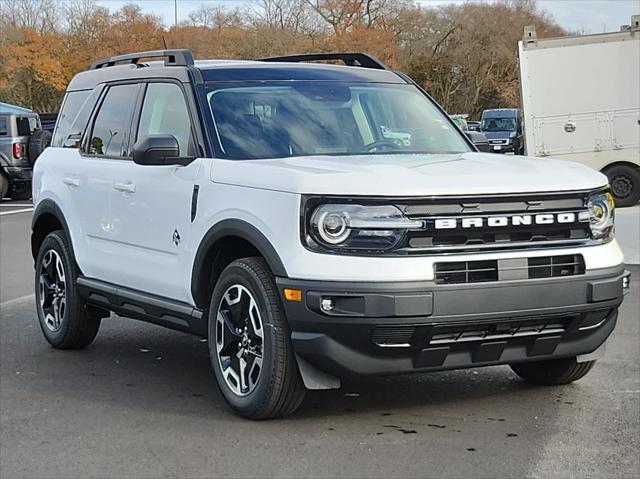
point(634, 177)
point(54, 241)
point(235, 274)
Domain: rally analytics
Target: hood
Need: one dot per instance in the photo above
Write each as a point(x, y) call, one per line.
point(497, 135)
point(408, 175)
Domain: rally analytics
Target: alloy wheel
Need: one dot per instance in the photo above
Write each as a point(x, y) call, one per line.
point(52, 290)
point(239, 340)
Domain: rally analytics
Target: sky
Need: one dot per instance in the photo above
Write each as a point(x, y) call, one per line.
point(585, 16)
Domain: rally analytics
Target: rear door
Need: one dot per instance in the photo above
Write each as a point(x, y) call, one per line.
point(104, 151)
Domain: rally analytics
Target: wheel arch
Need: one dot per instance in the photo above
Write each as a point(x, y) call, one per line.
point(47, 217)
point(237, 238)
point(620, 163)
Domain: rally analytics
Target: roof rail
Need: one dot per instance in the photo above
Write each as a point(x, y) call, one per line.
point(350, 59)
point(177, 57)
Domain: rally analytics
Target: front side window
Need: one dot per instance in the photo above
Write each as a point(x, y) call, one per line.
point(111, 127)
point(328, 118)
point(164, 111)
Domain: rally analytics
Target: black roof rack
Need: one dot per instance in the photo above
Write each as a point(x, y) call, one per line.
point(350, 59)
point(178, 58)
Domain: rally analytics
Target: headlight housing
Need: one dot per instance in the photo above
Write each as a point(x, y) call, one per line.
point(350, 227)
point(601, 215)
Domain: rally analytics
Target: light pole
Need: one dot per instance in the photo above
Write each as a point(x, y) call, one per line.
point(175, 13)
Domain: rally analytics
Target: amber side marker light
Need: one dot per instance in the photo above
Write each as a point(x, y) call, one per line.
point(293, 294)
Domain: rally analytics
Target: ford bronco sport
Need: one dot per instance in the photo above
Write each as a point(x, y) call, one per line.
point(314, 221)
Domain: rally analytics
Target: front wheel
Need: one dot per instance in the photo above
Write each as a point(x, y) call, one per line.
point(64, 320)
point(553, 372)
point(250, 345)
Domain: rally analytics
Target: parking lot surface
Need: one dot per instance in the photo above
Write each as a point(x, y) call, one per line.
point(142, 402)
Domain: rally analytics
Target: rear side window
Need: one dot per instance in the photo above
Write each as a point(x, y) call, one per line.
point(74, 115)
point(111, 127)
point(24, 126)
point(4, 126)
point(164, 111)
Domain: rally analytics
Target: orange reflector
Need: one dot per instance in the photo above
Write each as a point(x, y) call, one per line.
point(293, 294)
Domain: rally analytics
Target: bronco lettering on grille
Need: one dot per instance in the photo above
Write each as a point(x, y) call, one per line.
point(503, 221)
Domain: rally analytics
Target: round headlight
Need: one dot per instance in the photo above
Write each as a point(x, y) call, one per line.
point(601, 213)
point(332, 227)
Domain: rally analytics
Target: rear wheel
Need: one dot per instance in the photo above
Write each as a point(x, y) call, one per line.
point(20, 191)
point(554, 372)
point(64, 320)
point(250, 345)
point(625, 184)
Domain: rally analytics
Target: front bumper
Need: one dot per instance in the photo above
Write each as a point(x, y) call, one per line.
point(501, 148)
point(391, 328)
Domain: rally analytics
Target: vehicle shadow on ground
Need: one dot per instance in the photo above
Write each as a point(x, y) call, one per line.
point(133, 365)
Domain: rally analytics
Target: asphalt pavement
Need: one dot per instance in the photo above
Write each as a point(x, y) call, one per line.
point(141, 402)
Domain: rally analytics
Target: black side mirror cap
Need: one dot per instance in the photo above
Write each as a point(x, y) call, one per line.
point(158, 150)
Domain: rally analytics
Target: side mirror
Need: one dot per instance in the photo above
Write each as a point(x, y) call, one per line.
point(157, 150)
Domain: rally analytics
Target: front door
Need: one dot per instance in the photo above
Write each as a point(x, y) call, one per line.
point(152, 205)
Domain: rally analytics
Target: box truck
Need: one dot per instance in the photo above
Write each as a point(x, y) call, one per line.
point(581, 102)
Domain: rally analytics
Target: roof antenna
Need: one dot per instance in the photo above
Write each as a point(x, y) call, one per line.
point(164, 43)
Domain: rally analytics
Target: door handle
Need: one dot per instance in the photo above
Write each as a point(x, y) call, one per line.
point(71, 181)
point(127, 187)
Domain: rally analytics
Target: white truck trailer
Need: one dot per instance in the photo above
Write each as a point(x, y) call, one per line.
point(581, 102)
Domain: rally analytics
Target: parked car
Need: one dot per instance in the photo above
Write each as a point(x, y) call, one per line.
point(503, 129)
point(594, 122)
point(22, 140)
point(314, 222)
point(48, 121)
point(478, 139)
point(473, 125)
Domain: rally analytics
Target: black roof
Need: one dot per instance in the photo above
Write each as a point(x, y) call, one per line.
point(179, 65)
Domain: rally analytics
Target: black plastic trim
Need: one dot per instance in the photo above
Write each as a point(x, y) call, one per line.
point(203, 258)
point(46, 207)
point(143, 306)
point(176, 57)
point(350, 59)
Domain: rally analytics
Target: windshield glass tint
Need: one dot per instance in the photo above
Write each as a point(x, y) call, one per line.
point(498, 124)
point(321, 118)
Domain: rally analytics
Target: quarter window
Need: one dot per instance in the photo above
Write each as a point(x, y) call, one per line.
point(111, 128)
point(74, 115)
point(164, 111)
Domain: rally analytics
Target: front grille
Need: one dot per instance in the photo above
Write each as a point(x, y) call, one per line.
point(460, 272)
point(490, 223)
point(460, 333)
point(466, 272)
point(392, 336)
point(553, 266)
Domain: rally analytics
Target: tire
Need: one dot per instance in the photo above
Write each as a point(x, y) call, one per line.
point(4, 186)
point(38, 141)
point(625, 184)
point(22, 193)
point(65, 322)
point(554, 372)
point(257, 333)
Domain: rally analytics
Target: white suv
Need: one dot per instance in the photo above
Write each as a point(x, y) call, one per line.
point(314, 221)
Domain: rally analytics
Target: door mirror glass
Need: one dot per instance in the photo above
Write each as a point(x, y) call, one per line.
point(158, 150)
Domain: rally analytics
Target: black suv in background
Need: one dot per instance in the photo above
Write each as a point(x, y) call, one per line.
point(22, 139)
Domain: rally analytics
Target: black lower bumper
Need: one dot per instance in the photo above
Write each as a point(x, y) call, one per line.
point(373, 328)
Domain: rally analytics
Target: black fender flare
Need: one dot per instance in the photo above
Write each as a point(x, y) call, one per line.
point(46, 207)
point(227, 228)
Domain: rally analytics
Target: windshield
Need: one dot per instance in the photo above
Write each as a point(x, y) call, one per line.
point(321, 118)
point(498, 124)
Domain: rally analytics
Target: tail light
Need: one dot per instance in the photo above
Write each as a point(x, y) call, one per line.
point(18, 150)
